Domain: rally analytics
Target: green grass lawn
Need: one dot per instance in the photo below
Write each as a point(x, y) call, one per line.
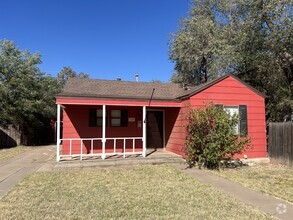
point(273, 179)
point(8, 153)
point(143, 192)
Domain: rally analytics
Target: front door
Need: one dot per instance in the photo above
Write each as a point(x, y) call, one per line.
point(155, 134)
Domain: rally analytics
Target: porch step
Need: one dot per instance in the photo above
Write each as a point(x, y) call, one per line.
point(120, 161)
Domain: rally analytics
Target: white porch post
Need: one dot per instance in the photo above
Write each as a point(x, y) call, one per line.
point(58, 132)
point(104, 133)
point(144, 131)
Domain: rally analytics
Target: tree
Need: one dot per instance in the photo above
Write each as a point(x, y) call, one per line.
point(252, 39)
point(194, 48)
point(67, 72)
point(265, 57)
point(211, 136)
point(27, 94)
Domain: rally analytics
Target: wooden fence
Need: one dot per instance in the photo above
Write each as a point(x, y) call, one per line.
point(280, 147)
point(9, 136)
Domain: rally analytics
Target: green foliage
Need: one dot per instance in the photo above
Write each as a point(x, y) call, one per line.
point(252, 39)
point(211, 136)
point(27, 94)
point(68, 72)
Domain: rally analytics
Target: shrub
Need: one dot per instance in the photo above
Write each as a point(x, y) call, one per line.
point(211, 137)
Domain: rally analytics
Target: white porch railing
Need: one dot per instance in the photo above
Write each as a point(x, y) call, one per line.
point(104, 152)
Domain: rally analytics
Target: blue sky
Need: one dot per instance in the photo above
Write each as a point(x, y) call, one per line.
point(104, 38)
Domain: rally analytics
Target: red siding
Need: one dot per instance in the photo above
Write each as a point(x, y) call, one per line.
point(76, 125)
point(171, 115)
point(228, 92)
point(231, 92)
point(176, 141)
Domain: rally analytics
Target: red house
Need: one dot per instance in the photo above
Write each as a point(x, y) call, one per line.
point(106, 117)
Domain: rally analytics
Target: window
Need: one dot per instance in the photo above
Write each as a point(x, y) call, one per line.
point(241, 110)
point(115, 118)
point(231, 110)
point(119, 118)
point(96, 118)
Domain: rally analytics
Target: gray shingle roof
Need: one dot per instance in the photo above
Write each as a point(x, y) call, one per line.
point(77, 87)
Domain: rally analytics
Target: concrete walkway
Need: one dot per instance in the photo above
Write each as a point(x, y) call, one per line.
point(272, 206)
point(159, 156)
point(15, 169)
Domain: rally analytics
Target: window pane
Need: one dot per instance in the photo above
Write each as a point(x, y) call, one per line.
point(115, 122)
point(99, 122)
point(99, 113)
point(232, 111)
point(115, 113)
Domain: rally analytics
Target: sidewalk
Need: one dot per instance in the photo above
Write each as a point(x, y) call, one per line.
point(160, 156)
point(15, 169)
point(272, 206)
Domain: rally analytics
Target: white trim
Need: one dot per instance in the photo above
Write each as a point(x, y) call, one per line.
point(123, 104)
point(164, 132)
point(144, 131)
point(58, 133)
point(83, 155)
point(104, 133)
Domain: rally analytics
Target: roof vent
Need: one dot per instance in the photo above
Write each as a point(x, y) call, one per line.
point(136, 77)
point(118, 79)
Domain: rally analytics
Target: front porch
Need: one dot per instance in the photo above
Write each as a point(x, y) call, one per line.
point(107, 131)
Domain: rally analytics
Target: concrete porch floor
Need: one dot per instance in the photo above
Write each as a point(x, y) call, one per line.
point(154, 156)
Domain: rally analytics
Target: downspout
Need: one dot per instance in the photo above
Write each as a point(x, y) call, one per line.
point(151, 97)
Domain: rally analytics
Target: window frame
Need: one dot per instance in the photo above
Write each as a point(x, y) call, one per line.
point(243, 118)
point(123, 118)
point(237, 127)
point(115, 117)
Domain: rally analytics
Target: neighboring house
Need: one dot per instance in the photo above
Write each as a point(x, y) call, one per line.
point(107, 117)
